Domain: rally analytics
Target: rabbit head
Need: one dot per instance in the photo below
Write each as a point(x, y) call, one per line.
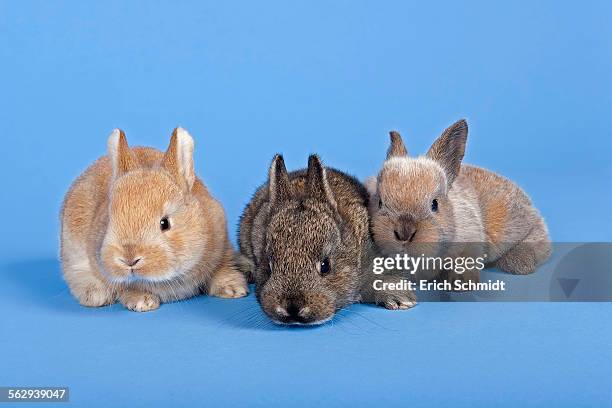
point(409, 204)
point(310, 261)
point(155, 229)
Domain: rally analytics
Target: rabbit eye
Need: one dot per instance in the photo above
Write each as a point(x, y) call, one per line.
point(434, 205)
point(164, 224)
point(325, 267)
point(380, 203)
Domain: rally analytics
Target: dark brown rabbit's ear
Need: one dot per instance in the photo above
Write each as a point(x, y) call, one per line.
point(448, 150)
point(317, 185)
point(178, 160)
point(397, 148)
point(122, 158)
point(279, 185)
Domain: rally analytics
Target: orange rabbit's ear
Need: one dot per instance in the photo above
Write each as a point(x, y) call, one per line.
point(448, 150)
point(122, 158)
point(397, 148)
point(279, 186)
point(178, 160)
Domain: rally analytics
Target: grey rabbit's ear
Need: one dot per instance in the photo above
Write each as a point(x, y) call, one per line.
point(122, 158)
point(371, 184)
point(397, 148)
point(316, 181)
point(448, 150)
point(279, 185)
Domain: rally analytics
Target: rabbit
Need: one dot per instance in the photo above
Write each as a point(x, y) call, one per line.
point(304, 238)
point(139, 227)
point(438, 205)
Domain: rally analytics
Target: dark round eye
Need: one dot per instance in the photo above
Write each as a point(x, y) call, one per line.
point(380, 203)
point(434, 205)
point(164, 224)
point(325, 267)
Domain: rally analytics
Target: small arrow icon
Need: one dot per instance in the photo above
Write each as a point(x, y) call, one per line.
point(568, 285)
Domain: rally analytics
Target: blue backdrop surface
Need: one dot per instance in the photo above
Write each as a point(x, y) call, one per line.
point(249, 79)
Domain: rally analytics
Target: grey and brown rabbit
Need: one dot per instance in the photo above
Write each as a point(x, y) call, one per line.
point(305, 239)
point(454, 208)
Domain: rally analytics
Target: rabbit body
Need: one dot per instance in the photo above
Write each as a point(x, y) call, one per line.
point(138, 226)
point(436, 205)
point(304, 238)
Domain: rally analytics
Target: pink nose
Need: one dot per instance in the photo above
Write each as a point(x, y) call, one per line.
point(131, 262)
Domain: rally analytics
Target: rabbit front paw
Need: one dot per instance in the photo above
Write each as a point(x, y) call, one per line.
point(95, 295)
point(228, 283)
point(139, 301)
point(396, 299)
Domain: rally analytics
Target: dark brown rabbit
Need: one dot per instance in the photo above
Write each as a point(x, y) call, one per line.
point(304, 238)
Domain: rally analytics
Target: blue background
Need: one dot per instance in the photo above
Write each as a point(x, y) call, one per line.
point(248, 79)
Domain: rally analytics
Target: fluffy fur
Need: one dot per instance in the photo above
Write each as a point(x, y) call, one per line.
point(304, 238)
point(475, 210)
point(113, 246)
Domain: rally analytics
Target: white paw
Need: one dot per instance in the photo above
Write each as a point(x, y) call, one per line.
point(141, 302)
point(406, 304)
point(399, 302)
point(95, 295)
point(232, 286)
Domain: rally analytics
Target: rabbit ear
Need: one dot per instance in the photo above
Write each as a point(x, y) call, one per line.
point(371, 184)
point(178, 159)
point(449, 148)
point(122, 158)
point(397, 148)
point(316, 181)
point(279, 185)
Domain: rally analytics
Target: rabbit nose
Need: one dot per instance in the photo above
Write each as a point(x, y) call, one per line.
point(131, 262)
point(293, 310)
point(406, 230)
point(129, 255)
